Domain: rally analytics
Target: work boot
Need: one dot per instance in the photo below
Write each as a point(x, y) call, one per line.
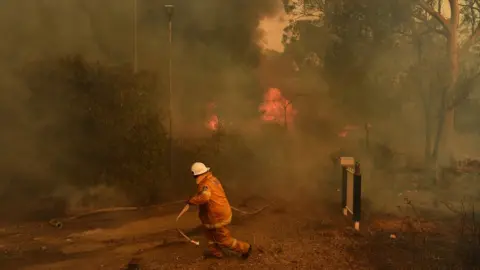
point(248, 253)
point(134, 264)
point(211, 253)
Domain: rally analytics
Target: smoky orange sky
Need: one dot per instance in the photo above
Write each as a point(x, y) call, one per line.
point(273, 31)
point(273, 28)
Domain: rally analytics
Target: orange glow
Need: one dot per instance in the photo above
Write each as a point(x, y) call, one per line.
point(343, 134)
point(276, 108)
point(212, 121)
point(346, 130)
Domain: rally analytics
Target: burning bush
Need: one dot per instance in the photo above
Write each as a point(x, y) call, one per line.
point(276, 108)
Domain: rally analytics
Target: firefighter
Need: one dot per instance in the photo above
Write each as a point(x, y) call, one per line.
point(215, 213)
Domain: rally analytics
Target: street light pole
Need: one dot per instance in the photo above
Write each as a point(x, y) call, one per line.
point(169, 9)
point(135, 34)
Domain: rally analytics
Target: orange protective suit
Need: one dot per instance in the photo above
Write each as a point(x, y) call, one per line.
point(215, 214)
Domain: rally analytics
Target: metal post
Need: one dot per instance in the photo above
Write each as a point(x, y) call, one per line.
point(357, 196)
point(344, 189)
point(135, 33)
point(169, 9)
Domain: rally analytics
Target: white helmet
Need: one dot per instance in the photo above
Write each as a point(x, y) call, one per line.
point(199, 168)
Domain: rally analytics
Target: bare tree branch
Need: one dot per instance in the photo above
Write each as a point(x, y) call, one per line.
point(471, 7)
point(470, 41)
point(464, 89)
point(474, 7)
point(431, 27)
point(477, 3)
point(438, 16)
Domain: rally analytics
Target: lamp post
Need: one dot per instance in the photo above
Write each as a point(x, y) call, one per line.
point(169, 9)
point(135, 34)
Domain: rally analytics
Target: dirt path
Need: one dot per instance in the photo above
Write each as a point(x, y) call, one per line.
point(284, 237)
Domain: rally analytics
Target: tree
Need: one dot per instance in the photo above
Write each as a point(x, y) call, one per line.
point(348, 37)
point(361, 30)
point(451, 28)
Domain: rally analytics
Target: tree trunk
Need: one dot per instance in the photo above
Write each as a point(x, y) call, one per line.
point(447, 153)
point(432, 138)
point(444, 151)
point(428, 136)
point(427, 106)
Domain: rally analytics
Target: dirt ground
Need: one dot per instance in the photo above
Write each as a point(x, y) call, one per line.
point(311, 234)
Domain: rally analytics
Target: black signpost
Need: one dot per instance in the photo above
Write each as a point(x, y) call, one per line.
point(351, 189)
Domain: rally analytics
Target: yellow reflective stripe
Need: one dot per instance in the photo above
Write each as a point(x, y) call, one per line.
point(211, 243)
point(234, 243)
point(207, 193)
point(219, 224)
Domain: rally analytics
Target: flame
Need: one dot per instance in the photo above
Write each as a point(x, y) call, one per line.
point(276, 108)
point(346, 130)
point(343, 134)
point(212, 121)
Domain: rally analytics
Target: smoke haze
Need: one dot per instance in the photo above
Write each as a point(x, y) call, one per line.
point(215, 53)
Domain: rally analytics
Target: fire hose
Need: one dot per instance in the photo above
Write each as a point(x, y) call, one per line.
point(59, 224)
point(187, 206)
point(184, 210)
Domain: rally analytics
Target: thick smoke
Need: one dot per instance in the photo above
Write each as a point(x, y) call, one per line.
point(215, 52)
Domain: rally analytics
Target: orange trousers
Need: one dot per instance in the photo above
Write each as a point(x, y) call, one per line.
point(222, 237)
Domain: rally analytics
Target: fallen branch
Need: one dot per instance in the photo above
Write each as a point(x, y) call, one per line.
point(450, 207)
